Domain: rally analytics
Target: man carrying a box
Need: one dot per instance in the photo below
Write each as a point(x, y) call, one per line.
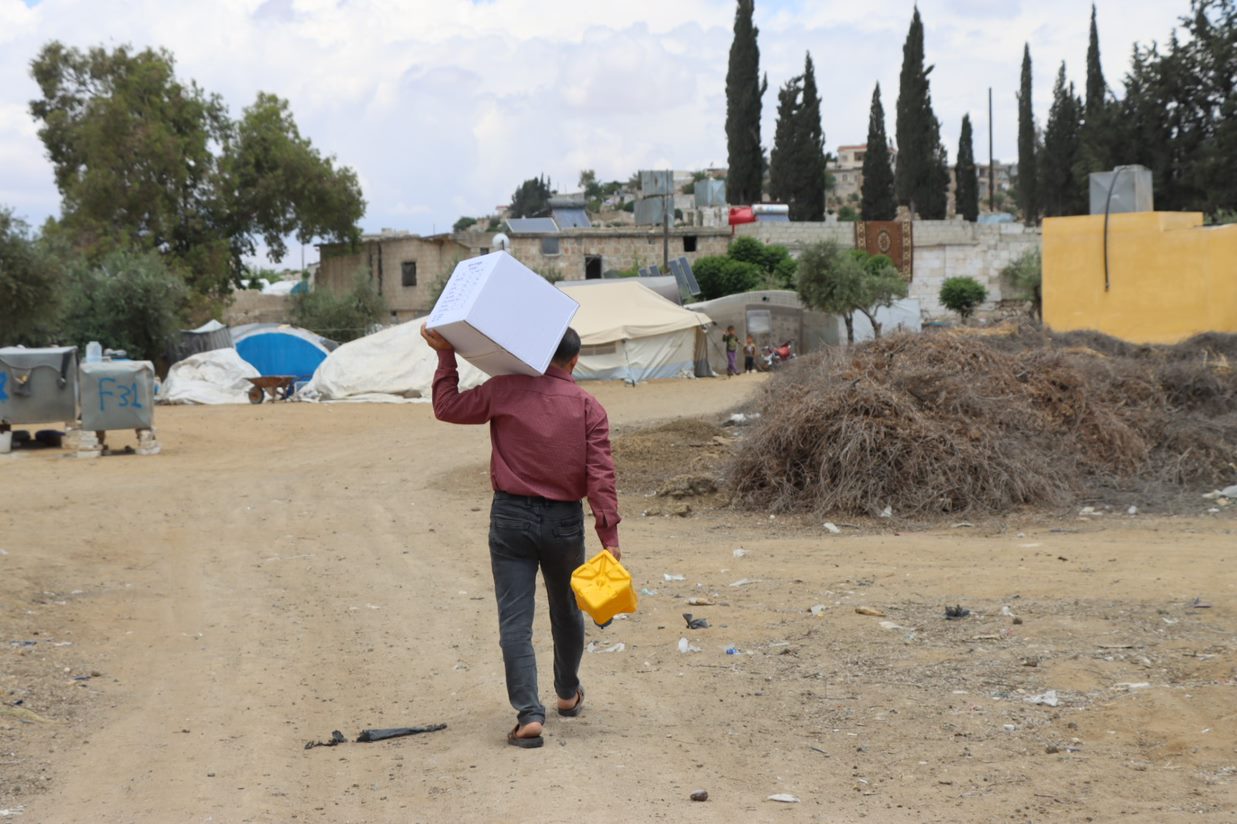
point(550, 447)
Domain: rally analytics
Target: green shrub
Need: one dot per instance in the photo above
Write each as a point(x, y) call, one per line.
point(719, 276)
point(962, 295)
point(341, 317)
point(1024, 277)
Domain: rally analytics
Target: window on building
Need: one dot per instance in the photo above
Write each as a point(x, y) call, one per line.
point(858, 157)
point(689, 243)
point(549, 246)
point(408, 273)
point(485, 250)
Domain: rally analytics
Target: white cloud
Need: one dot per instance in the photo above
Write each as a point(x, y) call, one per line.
point(444, 106)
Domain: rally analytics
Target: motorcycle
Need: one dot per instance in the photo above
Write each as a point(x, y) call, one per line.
point(774, 357)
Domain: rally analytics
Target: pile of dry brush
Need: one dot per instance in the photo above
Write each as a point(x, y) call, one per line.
point(966, 422)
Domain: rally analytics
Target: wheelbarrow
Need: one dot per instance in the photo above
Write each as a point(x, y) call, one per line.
point(275, 387)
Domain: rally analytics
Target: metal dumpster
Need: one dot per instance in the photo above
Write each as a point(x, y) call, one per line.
point(38, 385)
point(117, 395)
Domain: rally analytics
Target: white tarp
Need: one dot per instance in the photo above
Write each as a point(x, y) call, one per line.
point(394, 365)
point(217, 376)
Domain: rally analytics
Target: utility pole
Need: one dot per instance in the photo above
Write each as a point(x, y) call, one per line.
point(991, 162)
point(666, 202)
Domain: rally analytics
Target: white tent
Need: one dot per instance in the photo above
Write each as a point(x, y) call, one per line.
point(217, 376)
point(391, 366)
point(629, 332)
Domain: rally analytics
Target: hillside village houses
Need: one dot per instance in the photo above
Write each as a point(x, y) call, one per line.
point(570, 244)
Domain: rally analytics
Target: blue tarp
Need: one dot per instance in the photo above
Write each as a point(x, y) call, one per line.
point(282, 351)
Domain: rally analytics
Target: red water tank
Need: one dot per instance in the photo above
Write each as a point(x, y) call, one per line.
point(741, 214)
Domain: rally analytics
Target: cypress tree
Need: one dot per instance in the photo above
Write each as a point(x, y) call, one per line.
point(1059, 189)
point(811, 144)
point(918, 175)
point(1028, 177)
point(966, 195)
point(878, 198)
point(782, 158)
point(1095, 72)
point(744, 89)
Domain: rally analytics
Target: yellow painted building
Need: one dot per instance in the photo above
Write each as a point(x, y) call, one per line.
point(1168, 276)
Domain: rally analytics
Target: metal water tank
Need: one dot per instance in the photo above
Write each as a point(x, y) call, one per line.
point(38, 385)
point(117, 394)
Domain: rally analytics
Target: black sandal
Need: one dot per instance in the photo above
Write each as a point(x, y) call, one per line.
point(530, 743)
point(574, 710)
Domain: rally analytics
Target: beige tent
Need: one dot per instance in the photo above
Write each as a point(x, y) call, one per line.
point(631, 333)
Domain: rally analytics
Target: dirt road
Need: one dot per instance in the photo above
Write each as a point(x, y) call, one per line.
point(176, 628)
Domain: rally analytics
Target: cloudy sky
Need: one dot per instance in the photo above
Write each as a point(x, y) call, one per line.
point(444, 106)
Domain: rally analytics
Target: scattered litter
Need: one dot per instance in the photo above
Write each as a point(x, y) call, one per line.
point(647, 591)
point(1133, 510)
point(1139, 685)
point(686, 646)
point(887, 512)
point(3, 552)
point(956, 613)
point(817, 609)
point(1229, 491)
point(1048, 698)
point(337, 738)
point(11, 812)
point(23, 644)
point(367, 736)
point(618, 646)
point(695, 623)
point(700, 601)
point(1007, 612)
point(1089, 510)
point(740, 552)
point(832, 528)
point(742, 582)
point(1009, 727)
point(23, 714)
point(671, 577)
point(875, 613)
point(785, 798)
point(1199, 603)
point(738, 418)
point(700, 795)
point(890, 625)
point(731, 649)
point(1115, 646)
point(962, 525)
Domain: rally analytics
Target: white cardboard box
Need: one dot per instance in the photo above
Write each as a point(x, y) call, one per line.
point(503, 317)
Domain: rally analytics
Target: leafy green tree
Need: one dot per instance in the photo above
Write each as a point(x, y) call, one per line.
point(125, 300)
point(917, 177)
point(879, 202)
point(1096, 89)
point(774, 261)
point(966, 195)
point(720, 275)
point(962, 295)
point(744, 90)
point(31, 282)
point(344, 316)
point(1024, 276)
point(531, 198)
point(463, 224)
point(844, 282)
point(782, 171)
point(1059, 190)
point(847, 214)
point(797, 161)
point(143, 160)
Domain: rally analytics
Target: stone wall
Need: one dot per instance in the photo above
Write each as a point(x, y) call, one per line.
point(943, 249)
point(384, 258)
point(251, 306)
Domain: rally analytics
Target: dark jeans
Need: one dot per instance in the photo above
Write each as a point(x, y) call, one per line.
point(527, 534)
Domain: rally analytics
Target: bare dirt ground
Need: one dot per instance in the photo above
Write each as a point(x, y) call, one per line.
point(174, 629)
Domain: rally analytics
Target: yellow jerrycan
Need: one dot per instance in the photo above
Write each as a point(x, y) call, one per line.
point(603, 588)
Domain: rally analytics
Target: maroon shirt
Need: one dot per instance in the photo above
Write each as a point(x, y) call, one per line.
point(548, 437)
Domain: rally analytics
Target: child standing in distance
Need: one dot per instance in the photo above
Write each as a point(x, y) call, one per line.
point(731, 340)
point(749, 355)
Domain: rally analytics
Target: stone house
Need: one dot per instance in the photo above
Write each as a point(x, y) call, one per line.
point(403, 267)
